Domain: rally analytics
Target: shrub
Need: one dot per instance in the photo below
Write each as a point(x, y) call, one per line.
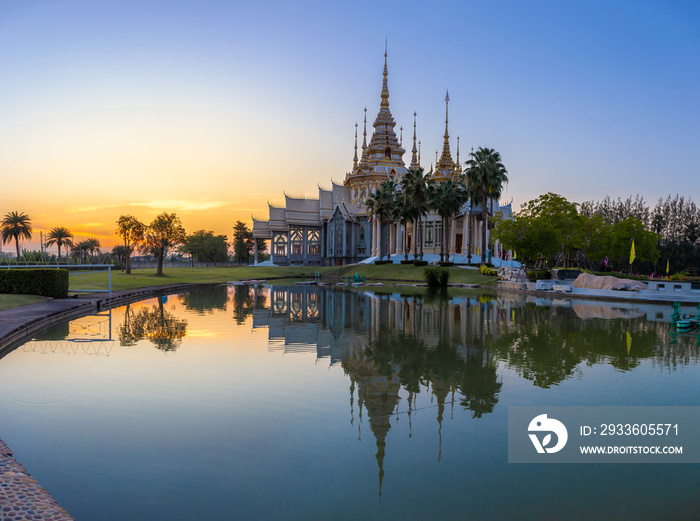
point(533, 275)
point(436, 277)
point(420, 263)
point(487, 271)
point(407, 262)
point(49, 282)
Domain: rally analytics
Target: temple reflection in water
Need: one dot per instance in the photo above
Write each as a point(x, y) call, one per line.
point(392, 348)
point(402, 353)
point(395, 347)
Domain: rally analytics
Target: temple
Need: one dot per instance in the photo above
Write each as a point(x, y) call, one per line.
point(336, 228)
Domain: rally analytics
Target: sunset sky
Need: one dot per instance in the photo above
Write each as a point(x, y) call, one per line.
point(211, 108)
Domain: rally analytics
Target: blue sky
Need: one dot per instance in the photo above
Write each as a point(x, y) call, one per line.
point(211, 109)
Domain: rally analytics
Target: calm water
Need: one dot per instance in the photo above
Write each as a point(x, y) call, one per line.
point(304, 403)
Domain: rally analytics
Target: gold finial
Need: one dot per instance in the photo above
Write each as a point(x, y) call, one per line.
point(445, 164)
point(414, 159)
point(401, 136)
point(419, 153)
point(354, 161)
point(364, 134)
point(363, 160)
point(458, 166)
point(385, 83)
point(436, 160)
point(447, 102)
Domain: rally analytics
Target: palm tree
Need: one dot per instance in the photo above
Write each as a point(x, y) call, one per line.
point(16, 225)
point(415, 186)
point(89, 246)
point(447, 198)
point(485, 177)
point(379, 203)
point(404, 212)
point(59, 236)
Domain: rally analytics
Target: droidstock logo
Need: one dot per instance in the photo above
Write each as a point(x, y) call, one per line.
point(542, 424)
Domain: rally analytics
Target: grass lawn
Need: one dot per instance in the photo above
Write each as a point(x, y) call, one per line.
point(145, 278)
point(15, 301)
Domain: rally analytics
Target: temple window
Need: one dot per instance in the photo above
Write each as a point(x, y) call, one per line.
point(387, 153)
point(313, 241)
point(297, 241)
point(280, 245)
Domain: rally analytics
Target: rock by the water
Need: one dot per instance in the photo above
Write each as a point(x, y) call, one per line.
point(586, 280)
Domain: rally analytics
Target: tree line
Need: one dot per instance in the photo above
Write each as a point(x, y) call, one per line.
point(162, 236)
point(552, 231)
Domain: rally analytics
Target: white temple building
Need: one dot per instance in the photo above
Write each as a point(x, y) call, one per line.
point(335, 228)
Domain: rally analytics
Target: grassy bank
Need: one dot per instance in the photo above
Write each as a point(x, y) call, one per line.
point(145, 278)
point(15, 301)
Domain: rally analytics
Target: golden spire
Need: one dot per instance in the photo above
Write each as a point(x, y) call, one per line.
point(419, 153)
point(414, 158)
point(385, 84)
point(384, 148)
point(446, 167)
point(458, 166)
point(354, 160)
point(363, 162)
point(401, 136)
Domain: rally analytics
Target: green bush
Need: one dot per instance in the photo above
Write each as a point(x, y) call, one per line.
point(49, 282)
point(420, 263)
point(436, 277)
point(533, 275)
point(487, 271)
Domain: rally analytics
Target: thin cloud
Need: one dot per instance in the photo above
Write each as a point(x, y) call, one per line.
point(175, 204)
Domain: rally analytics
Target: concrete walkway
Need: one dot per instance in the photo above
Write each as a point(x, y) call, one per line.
point(21, 497)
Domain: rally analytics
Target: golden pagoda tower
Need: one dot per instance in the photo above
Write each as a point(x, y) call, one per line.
point(382, 159)
point(445, 167)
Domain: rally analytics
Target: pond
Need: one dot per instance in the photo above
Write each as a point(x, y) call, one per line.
point(300, 402)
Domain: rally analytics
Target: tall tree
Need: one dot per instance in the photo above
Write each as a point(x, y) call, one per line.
point(415, 186)
point(485, 177)
point(60, 236)
point(204, 246)
point(404, 212)
point(131, 231)
point(243, 242)
point(163, 234)
point(16, 225)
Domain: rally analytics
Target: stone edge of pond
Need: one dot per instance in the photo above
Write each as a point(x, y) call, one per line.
point(21, 496)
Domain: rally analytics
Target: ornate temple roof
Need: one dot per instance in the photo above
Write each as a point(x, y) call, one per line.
point(383, 157)
point(445, 167)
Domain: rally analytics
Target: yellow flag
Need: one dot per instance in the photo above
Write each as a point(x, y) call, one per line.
point(629, 342)
point(515, 255)
point(633, 255)
point(667, 261)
